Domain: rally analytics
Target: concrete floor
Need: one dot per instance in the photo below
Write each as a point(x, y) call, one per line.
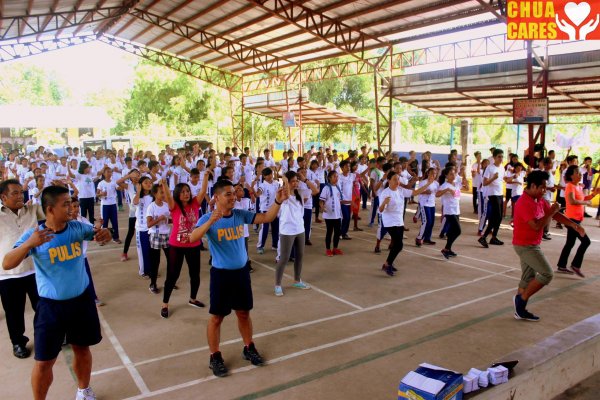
point(586, 390)
point(354, 336)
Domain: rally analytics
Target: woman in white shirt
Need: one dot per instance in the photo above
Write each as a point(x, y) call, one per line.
point(515, 179)
point(331, 204)
point(142, 199)
point(426, 209)
point(392, 215)
point(128, 184)
point(86, 189)
point(449, 192)
point(291, 232)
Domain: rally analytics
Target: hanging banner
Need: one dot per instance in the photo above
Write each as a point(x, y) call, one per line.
point(289, 120)
point(530, 111)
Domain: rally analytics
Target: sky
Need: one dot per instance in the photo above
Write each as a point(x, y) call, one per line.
point(88, 68)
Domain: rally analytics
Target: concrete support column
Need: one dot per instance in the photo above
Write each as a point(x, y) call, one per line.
point(466, 137)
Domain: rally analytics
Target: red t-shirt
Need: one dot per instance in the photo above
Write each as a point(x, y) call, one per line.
point(574, 211)
point(526, 209)
point(184, 224)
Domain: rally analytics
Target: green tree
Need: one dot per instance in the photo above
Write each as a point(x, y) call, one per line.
point(29, 85)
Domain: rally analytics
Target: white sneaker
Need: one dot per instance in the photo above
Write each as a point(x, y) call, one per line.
point(85, 394)
point(278, 291)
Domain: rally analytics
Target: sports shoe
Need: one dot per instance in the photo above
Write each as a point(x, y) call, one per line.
point(260, 250)
point(153, 289)
point(418, 242)
point(496, 242)
point(393, 268)
point(196, 303)
point(145, 276)
point(442, 236)
point(274, 248)
point(388, 270)
point(124, 257)
point(329, 253)
point(164, 312)
point(278, 291)
point(451, 253)
point(562, 270)
point(546, 236)
point(217, 365)
point(117, 241)
point(301, 285)
point(527, 316)
point(251, 354)
point(346, 237)
point(377, 250)
point(446, 254)
point(307, 243)
point(357, 229)
point(429, 242)
point(577, 271)
point(337, 252)
point(85, 394)
point(483, 242)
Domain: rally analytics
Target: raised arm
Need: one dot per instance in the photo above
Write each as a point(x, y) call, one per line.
point(13, 258)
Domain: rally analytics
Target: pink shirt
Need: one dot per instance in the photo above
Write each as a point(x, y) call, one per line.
point(184, 224)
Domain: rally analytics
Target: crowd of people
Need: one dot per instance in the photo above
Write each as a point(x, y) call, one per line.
point(183, 202)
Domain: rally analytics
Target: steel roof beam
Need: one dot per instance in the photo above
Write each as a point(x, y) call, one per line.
point(35, 25)
point(15, 51)
point(345, 38)
point(80, 27)
point(75, 8)
point(47, 20)
point(197, 70)
point(167, 15)
point(131, 19)
point(189, 19)
point(248, 55)
point(125, 8)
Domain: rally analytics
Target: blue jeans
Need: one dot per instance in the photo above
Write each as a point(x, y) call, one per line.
point(345, 219)
point(109, 213)
point(375, 206)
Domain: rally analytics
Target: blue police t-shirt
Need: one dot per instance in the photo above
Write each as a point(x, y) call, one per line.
point(226, 239)
point(60, 263)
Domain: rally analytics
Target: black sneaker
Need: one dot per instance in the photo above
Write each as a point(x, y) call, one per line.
point(446, 254)
point(388, 269)
point(153, 289)
point(394, 268)
point(164, 312)
point(377, 250)
point(218, 365)
point(564, 271)
point(496, 242)
point(442, 236)
point(429, 242)
point(452, 254)
point(483, 242)
point(251, 354)
point(546, 236)
point(346, 237)
point(527, 316)
point(196, 303)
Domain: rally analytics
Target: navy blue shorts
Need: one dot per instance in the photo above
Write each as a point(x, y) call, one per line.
point(230, 289)
point(76, 319)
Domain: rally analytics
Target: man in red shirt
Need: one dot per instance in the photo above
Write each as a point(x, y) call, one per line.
point(532, 213)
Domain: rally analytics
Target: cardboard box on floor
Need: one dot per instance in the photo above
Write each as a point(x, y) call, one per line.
point(430, 382)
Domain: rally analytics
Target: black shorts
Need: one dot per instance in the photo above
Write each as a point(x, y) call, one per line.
point(508, 194)
point(230, 289)
point(74, 319)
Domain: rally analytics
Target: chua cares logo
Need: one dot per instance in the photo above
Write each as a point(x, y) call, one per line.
point(553, 20)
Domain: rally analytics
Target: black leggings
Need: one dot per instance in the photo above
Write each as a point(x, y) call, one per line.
point(397, 234)
point(86, 205)
point(155, 263)
point(333, 228)
point(176, 256)
point(494, 216)
point(572, 237)
point(454, 230)
point(130, 234)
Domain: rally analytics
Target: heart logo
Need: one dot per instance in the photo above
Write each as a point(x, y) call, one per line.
point(577, 12)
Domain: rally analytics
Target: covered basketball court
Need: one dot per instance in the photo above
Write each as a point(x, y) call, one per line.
point(357, 332)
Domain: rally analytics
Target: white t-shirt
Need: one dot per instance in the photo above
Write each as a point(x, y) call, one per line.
point(331, 196)
point(268, 193)
point(111, 193)
point(346, 184)
point(392, 214)
point(494, 188)
point(428, 200)
point(291, 216)
point(33, 198)
point(155, 211)
point(549, 184)
point(244, 204)
point(451, 201)
point(477, 178)
point(517, 188)
point(405, 177)
point(85, 185)
point(141, 224)
point(306, 193)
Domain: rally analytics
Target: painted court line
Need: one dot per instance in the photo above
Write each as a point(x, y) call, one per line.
point(135, 375)
point(308, 323)
point(323, 346)
point(316, 289)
